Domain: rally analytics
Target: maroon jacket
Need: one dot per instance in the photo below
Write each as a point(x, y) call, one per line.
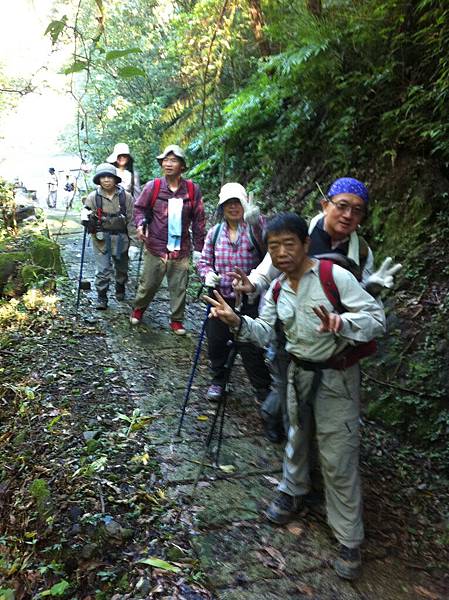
point(157, 232)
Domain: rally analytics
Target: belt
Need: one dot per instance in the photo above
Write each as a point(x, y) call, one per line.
point(343, 360)
point(309, 365)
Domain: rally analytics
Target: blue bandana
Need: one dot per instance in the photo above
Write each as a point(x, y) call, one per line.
point(348, 185)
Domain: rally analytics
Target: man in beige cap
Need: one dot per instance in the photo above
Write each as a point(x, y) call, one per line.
point(164, 213)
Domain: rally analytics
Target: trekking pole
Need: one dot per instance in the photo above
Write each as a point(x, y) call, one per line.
point(81, 269)
point(139, 266)
point(219, 415)
point(139, 263)
point(193, 370)
point(228, 369)
point(222, 404)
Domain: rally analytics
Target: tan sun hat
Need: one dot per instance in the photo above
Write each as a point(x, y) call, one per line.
point(172, 149)
point(119, 148)
point(232, 190)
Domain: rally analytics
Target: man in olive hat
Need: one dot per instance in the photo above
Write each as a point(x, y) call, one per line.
point(165, 212)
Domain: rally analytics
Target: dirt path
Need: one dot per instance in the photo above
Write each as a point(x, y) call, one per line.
point(243, 556)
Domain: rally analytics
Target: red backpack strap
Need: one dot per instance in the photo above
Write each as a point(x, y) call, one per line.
point(155, 193)
point(191, 193)
point(276, 290)
point(99, 205)
point(328, 284)
point(352, 354)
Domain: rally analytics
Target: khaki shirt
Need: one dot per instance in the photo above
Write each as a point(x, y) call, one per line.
point(363, 321)
point(111, 206)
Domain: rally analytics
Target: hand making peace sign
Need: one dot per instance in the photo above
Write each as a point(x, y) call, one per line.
point(221, 310)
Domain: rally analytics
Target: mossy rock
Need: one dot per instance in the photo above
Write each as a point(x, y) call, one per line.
point(31, 274)
point(8, 266)
point(45, 253)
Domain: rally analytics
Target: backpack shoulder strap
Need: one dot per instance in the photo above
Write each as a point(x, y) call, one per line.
point(276, 290)
point(328, 284)
point(155, 193)
point(191, 193)
point(363, 252)
point(218, 229)
point(255, 243)
point(122, 201)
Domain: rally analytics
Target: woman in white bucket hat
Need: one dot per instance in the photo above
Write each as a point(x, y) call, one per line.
point(124, 163)
point(233, 242)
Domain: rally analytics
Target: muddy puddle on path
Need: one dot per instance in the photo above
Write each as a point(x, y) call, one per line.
point(244, 557)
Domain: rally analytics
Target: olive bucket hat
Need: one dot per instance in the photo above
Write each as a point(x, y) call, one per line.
point(103, 170)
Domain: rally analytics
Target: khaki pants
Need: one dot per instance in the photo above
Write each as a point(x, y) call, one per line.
point(327, 402)
point(153, 272)
point(105, 264)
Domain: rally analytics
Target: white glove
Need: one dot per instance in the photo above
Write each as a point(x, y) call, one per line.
point(133, 252)
point(84, 215)
point(196, 257)
point(251, 214)
point(383, 278)
point(212, 280)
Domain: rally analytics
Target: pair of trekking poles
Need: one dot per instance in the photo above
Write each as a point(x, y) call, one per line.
point(220, 410)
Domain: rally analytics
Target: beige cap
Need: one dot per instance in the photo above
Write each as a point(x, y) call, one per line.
point(172, 149)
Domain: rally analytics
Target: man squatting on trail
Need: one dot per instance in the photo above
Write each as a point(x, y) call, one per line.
point(323, 393)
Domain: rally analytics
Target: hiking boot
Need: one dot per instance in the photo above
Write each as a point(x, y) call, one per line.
point(261, 394)
point(284, 508)
point(177, 327)
point(273, 428)
point(214, 393)
point(348, 565)
point(120, 292)
point(102, 302)
point(136, 316)
point(314, 498)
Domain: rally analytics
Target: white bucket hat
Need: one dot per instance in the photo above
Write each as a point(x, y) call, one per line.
point(172, 149)
point(105, 169)
point(119, 148)
point(232, 190)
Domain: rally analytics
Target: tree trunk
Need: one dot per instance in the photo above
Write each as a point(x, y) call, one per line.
point(258, 22)
point(315, 7)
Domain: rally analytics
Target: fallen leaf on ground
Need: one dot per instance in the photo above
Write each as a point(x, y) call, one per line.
point(159, 564)
point(422, 591)
point(295, 528)
point(305, 589)
point(228, 468)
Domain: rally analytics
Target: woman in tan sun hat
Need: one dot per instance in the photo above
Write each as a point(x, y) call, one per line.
point(124, 163)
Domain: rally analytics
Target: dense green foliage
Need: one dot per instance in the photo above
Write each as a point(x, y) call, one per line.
point(280, 94)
